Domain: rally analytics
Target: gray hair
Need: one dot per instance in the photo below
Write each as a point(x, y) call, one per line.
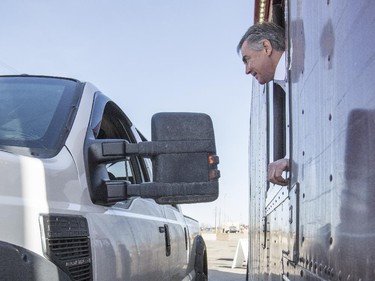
point(259, 32)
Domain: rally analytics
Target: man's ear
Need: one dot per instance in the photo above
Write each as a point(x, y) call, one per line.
point(267, 47)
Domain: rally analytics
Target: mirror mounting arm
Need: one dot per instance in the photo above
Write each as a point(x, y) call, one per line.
point(112, 149)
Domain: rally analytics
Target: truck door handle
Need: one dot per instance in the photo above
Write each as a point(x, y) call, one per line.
point(186, 238)
point(165, 229)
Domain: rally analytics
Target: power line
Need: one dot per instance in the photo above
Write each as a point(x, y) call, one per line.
point(9, 68)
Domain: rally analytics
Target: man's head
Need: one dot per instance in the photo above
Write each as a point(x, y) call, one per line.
point(261, 48)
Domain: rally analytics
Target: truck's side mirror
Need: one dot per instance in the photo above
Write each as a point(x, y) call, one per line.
point(192, 170)
point(184, 160)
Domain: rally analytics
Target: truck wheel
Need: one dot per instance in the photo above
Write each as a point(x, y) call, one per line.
point(201, 268)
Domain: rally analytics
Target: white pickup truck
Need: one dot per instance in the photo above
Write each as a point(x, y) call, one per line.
point(84, 196)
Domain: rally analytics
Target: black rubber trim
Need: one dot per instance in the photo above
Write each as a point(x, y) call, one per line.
point(20, 264)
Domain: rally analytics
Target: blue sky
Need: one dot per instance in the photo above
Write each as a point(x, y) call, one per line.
point(148, 56)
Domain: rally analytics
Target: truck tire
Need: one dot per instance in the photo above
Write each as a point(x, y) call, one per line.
point(200, 266)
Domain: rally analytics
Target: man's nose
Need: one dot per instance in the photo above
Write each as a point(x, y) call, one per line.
point(247, 68)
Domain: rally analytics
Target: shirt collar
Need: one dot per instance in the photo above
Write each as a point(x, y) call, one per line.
point(280, 72)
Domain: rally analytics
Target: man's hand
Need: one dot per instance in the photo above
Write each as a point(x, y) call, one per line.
point(275, 171)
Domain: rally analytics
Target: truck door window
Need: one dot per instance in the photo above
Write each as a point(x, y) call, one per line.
point(279, 123)
point(115, 125)
point(121, 170)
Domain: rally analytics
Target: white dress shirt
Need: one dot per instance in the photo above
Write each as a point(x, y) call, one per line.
point(280, 72)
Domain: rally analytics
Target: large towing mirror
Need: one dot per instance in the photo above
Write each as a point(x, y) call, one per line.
point(183, 155)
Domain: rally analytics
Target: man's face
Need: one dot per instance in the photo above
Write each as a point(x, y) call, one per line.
point(258, 63)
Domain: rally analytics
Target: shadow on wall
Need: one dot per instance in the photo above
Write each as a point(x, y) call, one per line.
point(298, 52)
point(327, 43)
point(356, 230)
point(358, 198)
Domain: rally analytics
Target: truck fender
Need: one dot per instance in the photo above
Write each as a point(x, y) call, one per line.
point(200, 264)
point(20, 264)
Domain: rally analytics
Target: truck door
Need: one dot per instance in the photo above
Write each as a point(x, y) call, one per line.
point(179, 251)
point(129, 238)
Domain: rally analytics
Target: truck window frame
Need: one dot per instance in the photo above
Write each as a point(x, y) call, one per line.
point(39, 133)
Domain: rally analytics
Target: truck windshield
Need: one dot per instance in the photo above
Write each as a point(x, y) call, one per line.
point(36, 113)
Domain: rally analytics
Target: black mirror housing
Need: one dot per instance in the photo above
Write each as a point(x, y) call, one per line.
point(183, 155)
point(198, 168)
point(179, 167)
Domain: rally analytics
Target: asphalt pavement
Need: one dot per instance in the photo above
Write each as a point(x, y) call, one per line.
point(221, 251)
